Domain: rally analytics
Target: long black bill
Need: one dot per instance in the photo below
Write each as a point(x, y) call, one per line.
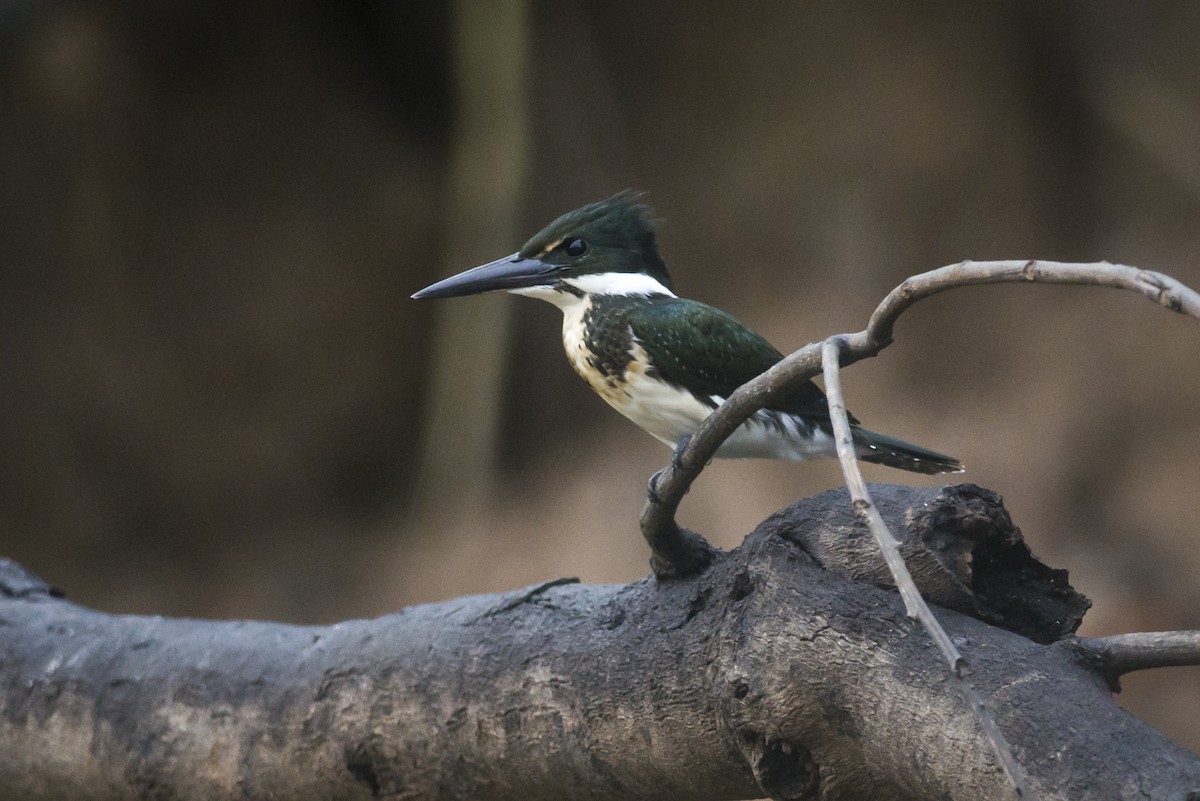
point(511, 272)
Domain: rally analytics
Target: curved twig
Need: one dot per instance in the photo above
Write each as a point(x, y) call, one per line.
point(673, 481)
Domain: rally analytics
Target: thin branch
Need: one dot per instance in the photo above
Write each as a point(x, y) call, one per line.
point(673, 481)
point(1162, 289)
point(914, 604)
point(1124, 653)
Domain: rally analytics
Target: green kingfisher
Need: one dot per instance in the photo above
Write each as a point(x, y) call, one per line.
point(663, 361)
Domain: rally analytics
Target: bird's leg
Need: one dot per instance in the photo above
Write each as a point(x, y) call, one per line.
point(676, 465)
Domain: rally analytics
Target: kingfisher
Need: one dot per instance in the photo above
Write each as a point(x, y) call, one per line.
point(663, 361)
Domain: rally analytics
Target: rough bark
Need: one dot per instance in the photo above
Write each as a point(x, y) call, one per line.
point(773, 672)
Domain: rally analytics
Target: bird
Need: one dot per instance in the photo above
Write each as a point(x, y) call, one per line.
point(663, 361)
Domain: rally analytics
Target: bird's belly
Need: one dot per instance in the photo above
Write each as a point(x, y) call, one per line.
point(668, 413)
point(665, 412)
point(776, 436)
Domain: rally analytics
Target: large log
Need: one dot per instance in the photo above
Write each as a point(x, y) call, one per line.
point(782, 669)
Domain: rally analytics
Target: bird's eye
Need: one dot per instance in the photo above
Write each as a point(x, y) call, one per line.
point(576, 248)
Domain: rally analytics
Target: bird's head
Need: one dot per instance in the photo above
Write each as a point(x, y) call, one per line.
point(607, 247)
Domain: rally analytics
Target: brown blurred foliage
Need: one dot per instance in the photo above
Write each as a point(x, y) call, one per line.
point(212, 213)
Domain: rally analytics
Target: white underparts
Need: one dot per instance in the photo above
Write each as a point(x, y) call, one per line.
point(667, 413)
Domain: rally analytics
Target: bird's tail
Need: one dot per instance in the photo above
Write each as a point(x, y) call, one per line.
point(882, 449)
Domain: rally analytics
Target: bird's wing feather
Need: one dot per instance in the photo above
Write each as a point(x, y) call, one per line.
point(710, 353)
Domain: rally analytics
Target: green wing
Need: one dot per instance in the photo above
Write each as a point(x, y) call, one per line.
point(709, 352)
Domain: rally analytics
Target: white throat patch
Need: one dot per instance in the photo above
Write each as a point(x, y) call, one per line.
point(596, 284)
point(619, 284)
point(547, 293)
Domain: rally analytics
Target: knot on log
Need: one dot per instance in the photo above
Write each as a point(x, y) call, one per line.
point(960, 545)
point(785, 771)
point(680, 553)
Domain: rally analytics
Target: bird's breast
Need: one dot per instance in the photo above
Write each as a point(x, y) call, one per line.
point(597, 355)
point(603, 350)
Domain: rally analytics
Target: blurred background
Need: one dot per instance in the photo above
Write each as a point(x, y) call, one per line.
point(216, 398)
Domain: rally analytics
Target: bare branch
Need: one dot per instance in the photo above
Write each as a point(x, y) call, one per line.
point(914, 604)
point(673, 481)
point(1162, 289)
point(1124, 653)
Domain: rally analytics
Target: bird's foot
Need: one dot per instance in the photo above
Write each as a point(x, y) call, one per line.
point(652, 488)
point(677, 457)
